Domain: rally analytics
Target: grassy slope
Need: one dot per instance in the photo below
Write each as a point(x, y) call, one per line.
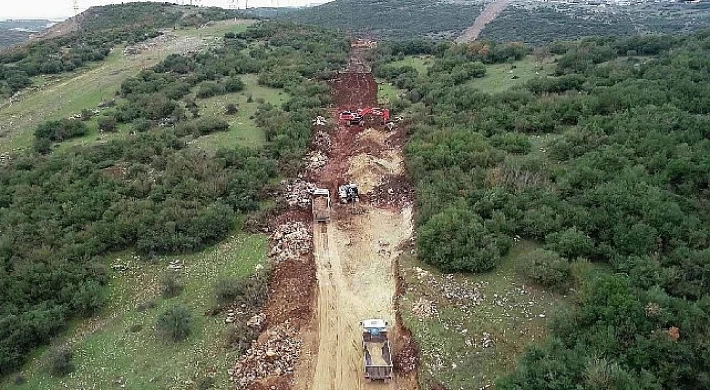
point(108, 354)
point(64, 95)
point(242, 130)
point(512, 312)
point(500, 77)
point(451, 342)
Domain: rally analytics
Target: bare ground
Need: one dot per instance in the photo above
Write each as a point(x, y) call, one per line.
point(355, 254)
point(489, 13)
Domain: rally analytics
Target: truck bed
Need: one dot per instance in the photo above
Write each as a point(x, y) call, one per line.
point(376, 354)
point(320, 209)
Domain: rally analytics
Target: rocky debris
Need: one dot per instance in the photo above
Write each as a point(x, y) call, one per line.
point(486, 341)
point(394, 191)
point(315, 160)
point(291, 240)
point(674, 333)
point(407, 359)
point(321, 141)
point(257, 321)
point(175, 265)
point(272, 358)
point(120, 267)
point(319, 121)
point(5, 158)
point(297, 193)
point(147, 45)
point(424, 308)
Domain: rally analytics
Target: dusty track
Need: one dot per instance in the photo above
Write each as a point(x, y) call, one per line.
point(489, 13)
point(355, 254)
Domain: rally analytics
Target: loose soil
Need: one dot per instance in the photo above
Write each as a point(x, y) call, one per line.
point(355, 254)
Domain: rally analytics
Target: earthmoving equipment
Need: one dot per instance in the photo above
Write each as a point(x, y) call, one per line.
point(349, 193)
point(321, 205)
point(368, 115)
point(377, 355)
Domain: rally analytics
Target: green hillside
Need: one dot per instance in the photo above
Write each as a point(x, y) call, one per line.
point(392, 18)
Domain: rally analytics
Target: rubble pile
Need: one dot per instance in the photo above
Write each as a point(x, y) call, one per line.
point(175, 265)
point(321, 141)
point(486, 341)
point(257, 321)
point(315, 160)
point(290, 241)
point(5, 158)
point(424, 308)
point(272, 358)
point(298, 193)
point(395, 191)
point(147, 45)
point(407, 359)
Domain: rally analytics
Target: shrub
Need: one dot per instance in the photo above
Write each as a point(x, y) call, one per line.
point(251, 291)
point(141, 124)
point(171, 285)
point(60, 362)
point(175, 322)
point(135, 328)
point(144, 306)
point(234, 84)
point(456, 240)
point(19, 379)
point(206, 383)
point(209, 89)
point(61, 130)
point(512, 143)
point(239, 336)
point(231, 109)
point(545, 268)
point(570, 243)
point(107, 123)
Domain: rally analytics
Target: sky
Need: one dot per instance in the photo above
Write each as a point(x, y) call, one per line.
point(60, 9)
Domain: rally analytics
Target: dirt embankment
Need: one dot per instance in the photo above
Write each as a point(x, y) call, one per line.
point(489, 13)
point(349, 273)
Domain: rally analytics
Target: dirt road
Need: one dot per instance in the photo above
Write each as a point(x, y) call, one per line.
point(490, 12)
point(355, 253)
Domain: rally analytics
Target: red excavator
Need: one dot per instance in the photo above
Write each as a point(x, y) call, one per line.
point(369, 115)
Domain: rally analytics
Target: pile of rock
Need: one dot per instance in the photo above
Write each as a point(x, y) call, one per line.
point(297, 193)
point(272, 358)
point(486, 340)
point(5, 158)
point(321, 141)
point(257, 321)
point(424, 308)
point(146, 45)
point(290, 241)
point(175, 265)
point(315, 159)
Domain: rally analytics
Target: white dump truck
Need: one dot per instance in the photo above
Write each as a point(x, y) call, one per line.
point(321, 205)
point(377, 355)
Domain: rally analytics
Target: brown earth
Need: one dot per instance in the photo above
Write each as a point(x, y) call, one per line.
point(490, 12)
point(355, 254)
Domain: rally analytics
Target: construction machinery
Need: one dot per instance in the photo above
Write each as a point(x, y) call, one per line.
point(363, 116)
point(321, 205)
point(349, 193)
point(377, 355)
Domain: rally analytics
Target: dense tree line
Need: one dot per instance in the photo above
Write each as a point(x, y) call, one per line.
point(623, 181)
point(62, 212)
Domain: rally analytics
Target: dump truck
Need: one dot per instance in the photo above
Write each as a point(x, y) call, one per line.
point(321, 205)
point(377, 356)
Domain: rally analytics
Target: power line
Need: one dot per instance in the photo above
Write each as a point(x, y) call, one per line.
point(76, 7)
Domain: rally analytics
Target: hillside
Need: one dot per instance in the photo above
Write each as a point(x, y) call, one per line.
point(562, 192)
point(392, 18)
point(540, 23)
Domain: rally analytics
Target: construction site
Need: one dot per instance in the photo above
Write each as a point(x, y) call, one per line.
point(331, 319)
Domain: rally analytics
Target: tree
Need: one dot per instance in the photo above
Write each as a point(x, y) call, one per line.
point(231, 109)
point(175, 322)
point(108, 124)
point(456, 240)
point(545, 268)
point(60, 362)
point(570, 243)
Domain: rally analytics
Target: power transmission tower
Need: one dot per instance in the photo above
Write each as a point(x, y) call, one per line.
point(76, 7)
